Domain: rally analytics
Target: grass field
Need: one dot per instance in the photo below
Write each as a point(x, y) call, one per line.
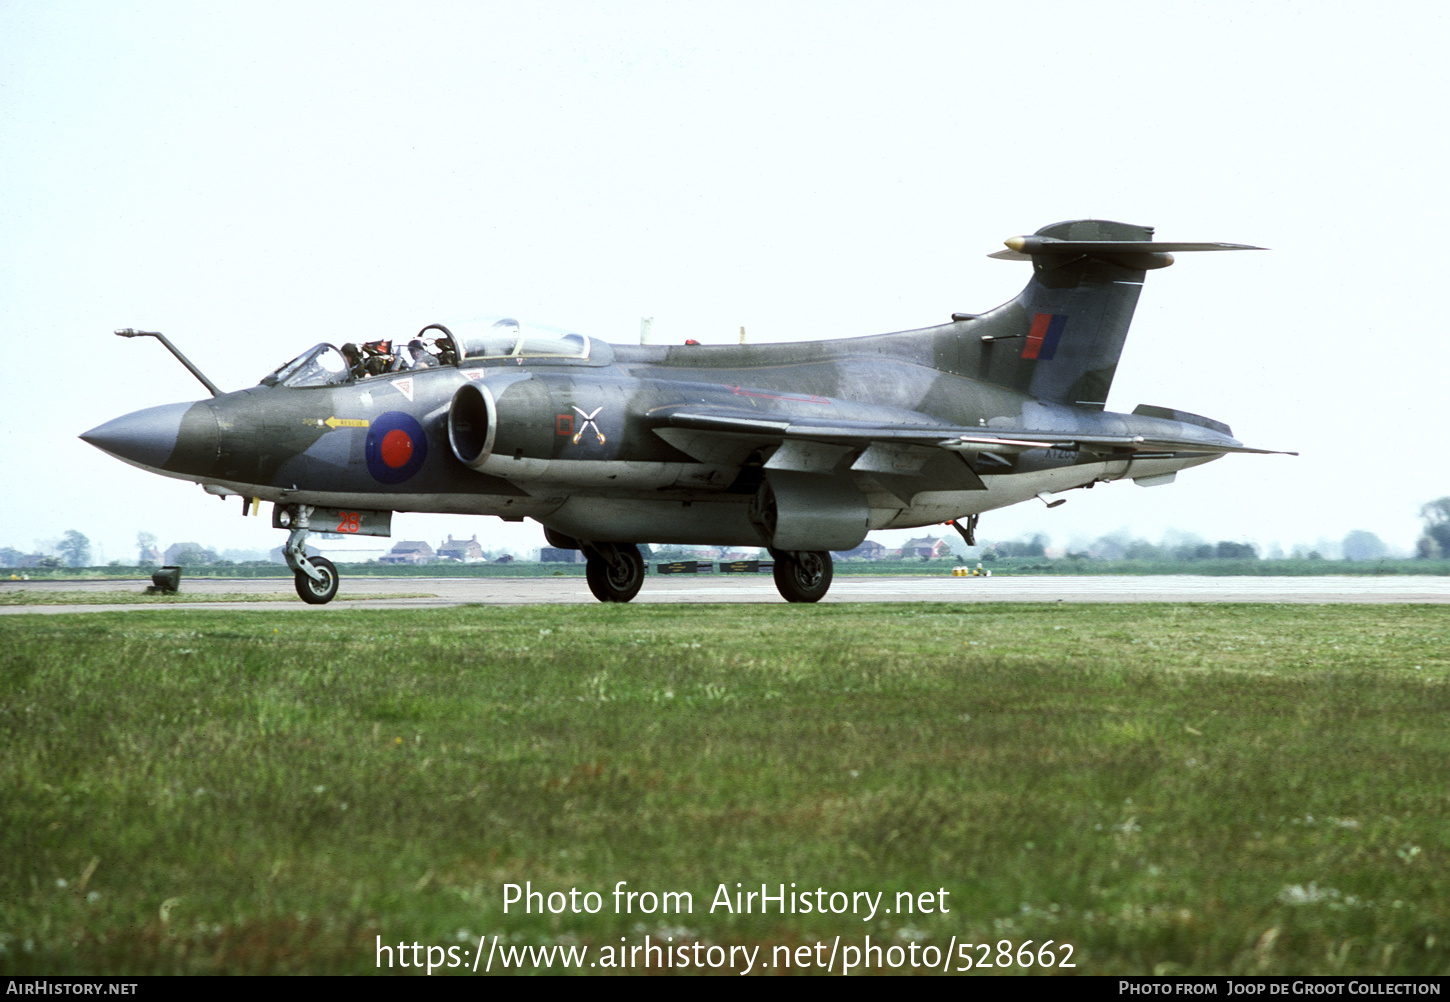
point(1172, 789)
point(19, 597)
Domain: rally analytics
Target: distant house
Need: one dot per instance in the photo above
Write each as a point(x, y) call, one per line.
point(868, 550)
point(466, 551)
point(925, 548)
point(409, 551)
point(150, 555)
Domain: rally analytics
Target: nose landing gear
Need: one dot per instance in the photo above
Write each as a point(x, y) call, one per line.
point(317, 591)
point(315, 577)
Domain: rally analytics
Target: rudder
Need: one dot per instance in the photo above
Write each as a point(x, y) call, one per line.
point(1064, 333)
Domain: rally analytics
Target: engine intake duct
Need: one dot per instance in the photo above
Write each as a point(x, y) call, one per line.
point(473, 425)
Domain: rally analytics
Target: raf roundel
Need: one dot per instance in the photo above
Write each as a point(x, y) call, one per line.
point(396, 447)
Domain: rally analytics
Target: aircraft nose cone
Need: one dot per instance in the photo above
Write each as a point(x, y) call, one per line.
point(148, 438)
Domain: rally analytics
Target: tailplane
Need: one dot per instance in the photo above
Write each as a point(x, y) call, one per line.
point(1061, 338)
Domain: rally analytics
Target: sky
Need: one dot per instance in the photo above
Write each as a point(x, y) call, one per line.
point(254, 178)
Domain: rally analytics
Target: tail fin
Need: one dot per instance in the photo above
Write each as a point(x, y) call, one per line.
point(1061, 338)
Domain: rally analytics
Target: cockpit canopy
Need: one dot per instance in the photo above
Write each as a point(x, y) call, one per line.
point(326, 365)
point(320, 365)
point(508, 339)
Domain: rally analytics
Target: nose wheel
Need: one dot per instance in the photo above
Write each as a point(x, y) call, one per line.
point(315, 577)
point(802, 575)
point(318, 591)
point(615, 573)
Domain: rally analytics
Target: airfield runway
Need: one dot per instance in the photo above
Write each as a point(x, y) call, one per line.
point(685, 589)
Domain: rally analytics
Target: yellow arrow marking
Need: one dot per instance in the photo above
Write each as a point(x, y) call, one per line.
point(336, 422)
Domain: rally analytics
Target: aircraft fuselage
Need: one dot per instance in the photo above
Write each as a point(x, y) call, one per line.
point(579, 445)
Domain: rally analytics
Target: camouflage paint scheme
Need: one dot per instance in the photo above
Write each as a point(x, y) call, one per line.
point(801, 447)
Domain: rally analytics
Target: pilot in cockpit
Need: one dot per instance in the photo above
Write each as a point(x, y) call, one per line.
point(353, 355)
point(415, 355)
point(377, 357)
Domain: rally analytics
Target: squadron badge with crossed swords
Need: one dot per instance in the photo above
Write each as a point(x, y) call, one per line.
point(588, 423)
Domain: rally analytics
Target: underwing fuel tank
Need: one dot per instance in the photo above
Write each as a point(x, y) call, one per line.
point(798, 511)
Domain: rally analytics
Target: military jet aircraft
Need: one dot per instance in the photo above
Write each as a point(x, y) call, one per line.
point(803, 448)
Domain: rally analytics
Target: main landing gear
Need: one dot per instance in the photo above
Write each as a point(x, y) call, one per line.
point(615, 571)
point(315, 577)
point(802, 575)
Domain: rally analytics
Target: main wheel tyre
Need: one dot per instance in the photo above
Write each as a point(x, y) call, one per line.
point(617, 580)
point(802, 575)
point(318, 592)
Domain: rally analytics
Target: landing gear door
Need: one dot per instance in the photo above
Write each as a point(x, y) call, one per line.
point(343, 521)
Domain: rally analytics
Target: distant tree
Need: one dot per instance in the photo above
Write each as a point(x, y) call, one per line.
point(10, 557)
point(191, 555)
point(1180, 545)
point(74, 549)
point(145, 546)
point(1141, 549)
point(1034, 547)
point(1362, 545)
point(1109, 548)
point(1437, 523)
point(243, 556)
point(1226, 550)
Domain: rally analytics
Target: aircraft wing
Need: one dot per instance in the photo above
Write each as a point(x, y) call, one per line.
point(944, 436)
point(974, 440)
